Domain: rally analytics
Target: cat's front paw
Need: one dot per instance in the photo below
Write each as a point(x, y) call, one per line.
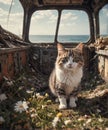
point(62, 106)
point(72, 103)
point(63, 103)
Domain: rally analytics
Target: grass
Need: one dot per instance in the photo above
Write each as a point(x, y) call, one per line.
point(42, 113)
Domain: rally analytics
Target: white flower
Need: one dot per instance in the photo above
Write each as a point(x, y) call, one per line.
point(55, 121)
point(67, 122)
point(34, 115)
point(21, 106)
point(1, 120)
point(100, 120)
point(44, 106)
point(29, 91)
point(3, 97)
point(98, 110)
point(88, 121)
point(39, 96)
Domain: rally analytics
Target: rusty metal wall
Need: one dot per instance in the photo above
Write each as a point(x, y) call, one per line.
point(103, 63)
point(42, 59)
point(12, 61)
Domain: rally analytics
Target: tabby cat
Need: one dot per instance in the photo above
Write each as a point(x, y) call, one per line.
point(67, 74)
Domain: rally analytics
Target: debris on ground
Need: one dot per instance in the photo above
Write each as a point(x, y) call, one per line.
point(27, 104)
point(10, 40)
point(100, 43)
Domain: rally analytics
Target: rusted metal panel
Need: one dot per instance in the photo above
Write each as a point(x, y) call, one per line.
point(103, 63)
point(56, 1)
point(1, 60)
point(42, 59)
point(5, 65)
point(12, 61)
point(24, 58)
point(10, 65)
point(106, 69)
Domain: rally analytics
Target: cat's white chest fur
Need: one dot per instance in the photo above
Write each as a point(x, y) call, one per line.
point(71, 80)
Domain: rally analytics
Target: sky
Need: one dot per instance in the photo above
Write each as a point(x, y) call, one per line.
point(72, 22)
point(44, 22)
point(16, 16)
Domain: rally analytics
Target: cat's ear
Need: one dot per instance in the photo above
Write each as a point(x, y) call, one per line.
point(80, 47)
point(60, 49)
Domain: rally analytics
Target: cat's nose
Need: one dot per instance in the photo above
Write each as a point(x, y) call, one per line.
point(70, 65)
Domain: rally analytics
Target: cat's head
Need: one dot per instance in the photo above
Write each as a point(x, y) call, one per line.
point(70, 59)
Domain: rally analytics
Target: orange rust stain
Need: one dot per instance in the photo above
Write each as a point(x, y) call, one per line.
point(23, 57)
point(7, 64)
point(0, 67)
point(1, 77)
point(10, 65)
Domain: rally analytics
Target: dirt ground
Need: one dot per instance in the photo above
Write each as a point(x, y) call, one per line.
point(41, 111)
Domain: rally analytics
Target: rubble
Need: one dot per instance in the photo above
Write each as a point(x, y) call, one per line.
point(31, 87)
point(28, 80)
point(10, 40)
point(100, 43)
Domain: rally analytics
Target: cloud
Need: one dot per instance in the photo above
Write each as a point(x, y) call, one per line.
point(15, 21)
point(3, 17)
point(105, 11)
point(65, 25)
point(43, 14)
point(3, 21)
point(3, 13)
point(14, 17)
point(48, 14)
point(104, 29)
point(69, 16)
point(44, 22)
point(53, 17)
point(6, 2)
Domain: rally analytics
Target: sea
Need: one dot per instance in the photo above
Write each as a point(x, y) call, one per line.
point(61, 38)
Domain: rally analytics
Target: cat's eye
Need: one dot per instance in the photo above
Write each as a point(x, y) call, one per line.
point(76, 60)
point(73, 60)
point(65, 59)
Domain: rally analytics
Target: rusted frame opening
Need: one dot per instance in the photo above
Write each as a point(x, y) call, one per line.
point(90, 7)
point(28, 15)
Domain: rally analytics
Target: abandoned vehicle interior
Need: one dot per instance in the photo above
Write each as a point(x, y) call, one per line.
point(28, 50)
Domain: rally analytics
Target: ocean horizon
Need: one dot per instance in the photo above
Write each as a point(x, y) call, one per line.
point(61, 38)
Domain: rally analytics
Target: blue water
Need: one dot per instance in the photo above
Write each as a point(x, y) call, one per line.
point(61, 38)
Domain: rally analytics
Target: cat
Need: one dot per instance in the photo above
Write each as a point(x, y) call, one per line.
point(67, 74)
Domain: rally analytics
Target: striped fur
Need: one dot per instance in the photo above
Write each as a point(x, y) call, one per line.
point(66, 76)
